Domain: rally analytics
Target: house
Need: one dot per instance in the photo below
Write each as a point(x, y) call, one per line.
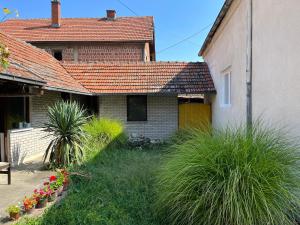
point(275, 62)
point(106, 64)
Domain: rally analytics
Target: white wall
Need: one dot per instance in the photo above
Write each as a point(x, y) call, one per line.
point(276, 61)
point(162, 115)
point(227, 53)
point(26, 144)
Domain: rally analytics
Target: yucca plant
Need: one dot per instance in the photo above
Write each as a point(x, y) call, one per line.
point(231, 177)
point(66, 120)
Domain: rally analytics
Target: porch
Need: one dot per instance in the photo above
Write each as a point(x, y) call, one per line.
point(15, 110)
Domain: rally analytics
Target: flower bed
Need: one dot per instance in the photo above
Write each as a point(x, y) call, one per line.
point(48, 192)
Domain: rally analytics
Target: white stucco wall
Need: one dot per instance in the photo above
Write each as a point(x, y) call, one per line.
point(276, 61)
point(276, 48)
point(162, 115)
point(226, 53)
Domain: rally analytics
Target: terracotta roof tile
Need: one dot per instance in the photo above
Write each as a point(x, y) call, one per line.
point(152, 77)
point(82, 29)
point(29, 62)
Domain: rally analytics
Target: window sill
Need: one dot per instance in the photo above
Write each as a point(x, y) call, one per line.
point(130, 121)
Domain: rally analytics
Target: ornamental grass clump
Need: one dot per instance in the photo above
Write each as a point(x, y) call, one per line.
point(233, 177)
point(104, 131)
point(66, 120)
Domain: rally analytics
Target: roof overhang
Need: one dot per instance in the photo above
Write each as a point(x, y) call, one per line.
point(154, 93)
point(10, 77)
point(68, 91)
point(215, 26)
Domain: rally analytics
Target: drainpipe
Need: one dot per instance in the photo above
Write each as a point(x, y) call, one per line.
point(249, 62)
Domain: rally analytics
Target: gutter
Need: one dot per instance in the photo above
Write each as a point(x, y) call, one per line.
point(10, 77)
point(68, 91)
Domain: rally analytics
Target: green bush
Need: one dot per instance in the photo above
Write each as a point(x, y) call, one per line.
point(103, 132)
point(231, 177)
point(65, 125)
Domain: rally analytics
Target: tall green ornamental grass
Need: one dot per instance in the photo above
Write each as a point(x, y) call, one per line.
point(229, 177)
point(104, 131)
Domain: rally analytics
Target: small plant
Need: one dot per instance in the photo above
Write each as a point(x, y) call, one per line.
point(14, 212)
point(41, 196)
point(233, 176)
point(66, 179)
point(66, 120)
point(29, 204)
point(105, 131)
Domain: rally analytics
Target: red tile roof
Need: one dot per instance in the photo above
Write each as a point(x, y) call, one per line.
point(152, 77)
point(122, 29)
point(31, 63)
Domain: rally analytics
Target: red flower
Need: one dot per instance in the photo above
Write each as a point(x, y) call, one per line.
point(52, 178)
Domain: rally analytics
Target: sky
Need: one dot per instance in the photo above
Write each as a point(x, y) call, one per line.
point(175, 20)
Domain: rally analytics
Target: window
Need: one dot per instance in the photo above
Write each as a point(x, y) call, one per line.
point(58, 55)
point(137, 108)
point(226, 101)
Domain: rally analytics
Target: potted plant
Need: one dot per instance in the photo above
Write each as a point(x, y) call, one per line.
point(58, 184)
point(52, 194)
point(66, 179)
point(41, 196)
point(14, 212)
point(29, 204)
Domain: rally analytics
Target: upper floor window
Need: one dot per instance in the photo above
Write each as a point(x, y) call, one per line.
point(226, 93)
point(58, 55)
point(137, 108)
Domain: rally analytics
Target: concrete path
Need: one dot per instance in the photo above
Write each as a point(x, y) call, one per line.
point(24, 180)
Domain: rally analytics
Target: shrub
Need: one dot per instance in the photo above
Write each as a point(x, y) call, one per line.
point(231, 177)
point(65, 124)
point(103, 132)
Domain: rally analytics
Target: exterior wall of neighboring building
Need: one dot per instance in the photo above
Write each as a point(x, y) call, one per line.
point(276, 48)
point(226, 54)
point(162, 113)
point(31, 142)
point(101, 52)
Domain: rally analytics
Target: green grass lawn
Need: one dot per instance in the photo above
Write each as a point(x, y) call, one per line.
point(120, 191)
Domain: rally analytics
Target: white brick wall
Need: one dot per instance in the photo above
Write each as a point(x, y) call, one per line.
point(27, 143)
point(162, 115)
point(39, 107)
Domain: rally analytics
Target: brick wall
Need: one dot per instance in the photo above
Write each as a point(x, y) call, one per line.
point(162, 115)
point(27, 143)
point(39, 107)
point(101, 52)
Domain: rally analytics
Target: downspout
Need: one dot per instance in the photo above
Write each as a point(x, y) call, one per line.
point(249, 118)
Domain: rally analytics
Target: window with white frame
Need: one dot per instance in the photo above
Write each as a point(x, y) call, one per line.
point(226, 96)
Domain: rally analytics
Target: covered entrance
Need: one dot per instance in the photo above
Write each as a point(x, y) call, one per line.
point(14, 110)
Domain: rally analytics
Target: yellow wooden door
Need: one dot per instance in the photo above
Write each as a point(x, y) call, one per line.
point(194, 115)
